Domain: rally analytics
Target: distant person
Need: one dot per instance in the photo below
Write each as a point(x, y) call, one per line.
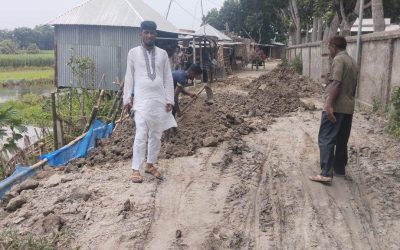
point(337, 116)
point(188, 57)
point(207, 73)
point(149, 91)
point(177, 58)
point(181, 78)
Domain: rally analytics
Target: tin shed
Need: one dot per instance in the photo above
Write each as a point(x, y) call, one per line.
point(103, 31)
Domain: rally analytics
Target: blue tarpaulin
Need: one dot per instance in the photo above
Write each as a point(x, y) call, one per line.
point(62, 156)
point(20, 174)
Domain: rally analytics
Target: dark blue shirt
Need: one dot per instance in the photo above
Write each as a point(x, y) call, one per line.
point(180, 77)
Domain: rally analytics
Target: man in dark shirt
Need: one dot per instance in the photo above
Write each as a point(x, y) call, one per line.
point(181, 78)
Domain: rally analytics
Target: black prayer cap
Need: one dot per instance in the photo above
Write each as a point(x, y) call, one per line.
point(148, 25)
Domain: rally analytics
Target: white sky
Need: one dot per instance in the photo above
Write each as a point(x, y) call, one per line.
point(184, 14)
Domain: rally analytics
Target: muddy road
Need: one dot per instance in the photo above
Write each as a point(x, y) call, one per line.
point(236, 177)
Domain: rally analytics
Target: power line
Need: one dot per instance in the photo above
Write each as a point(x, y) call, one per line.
point(195, 12)
point(188, 12)
point(169, 7)
point(217, 5)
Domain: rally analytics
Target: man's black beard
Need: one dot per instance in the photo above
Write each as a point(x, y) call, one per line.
point(150, 44)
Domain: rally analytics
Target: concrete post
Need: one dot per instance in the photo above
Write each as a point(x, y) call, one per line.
point(389, 69)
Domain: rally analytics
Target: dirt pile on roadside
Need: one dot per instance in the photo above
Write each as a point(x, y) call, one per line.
point(268, 96)
point(279, 92)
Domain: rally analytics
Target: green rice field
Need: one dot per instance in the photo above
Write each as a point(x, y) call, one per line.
point(43, 59)
point(29, 73)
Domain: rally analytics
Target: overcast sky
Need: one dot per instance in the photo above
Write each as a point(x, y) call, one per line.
point(185, 14)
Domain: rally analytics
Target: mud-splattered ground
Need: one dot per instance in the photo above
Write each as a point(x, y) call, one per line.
point(236, 177)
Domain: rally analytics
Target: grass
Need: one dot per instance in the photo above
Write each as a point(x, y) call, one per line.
point(23, 59)
point(10, 239)
point(32, 109)
point(28, 73)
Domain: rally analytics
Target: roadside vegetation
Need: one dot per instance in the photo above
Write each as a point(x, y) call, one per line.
point(394, 113)
point(296, 64)
point(11, 240)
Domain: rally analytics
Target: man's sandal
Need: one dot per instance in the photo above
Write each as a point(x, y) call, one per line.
point(150, 169)
point(136, 177)
point(320, 178)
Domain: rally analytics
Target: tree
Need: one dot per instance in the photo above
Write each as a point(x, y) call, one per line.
point(33, 49)
point(212, 18)
point(377, 15)
point(45, 37)
point(24, 36)
point(391, 8)
point(8, 47)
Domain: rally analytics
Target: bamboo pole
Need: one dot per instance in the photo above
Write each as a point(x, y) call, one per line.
point(54, 111)
point(94, 111)
point(116, 111)
point(114, 104)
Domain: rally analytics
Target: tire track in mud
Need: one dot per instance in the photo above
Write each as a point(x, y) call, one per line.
point(326, 212)
point(343, 200)
point(184, 203)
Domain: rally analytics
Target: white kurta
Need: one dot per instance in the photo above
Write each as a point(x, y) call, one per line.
point(149, 102)
point(150, 96)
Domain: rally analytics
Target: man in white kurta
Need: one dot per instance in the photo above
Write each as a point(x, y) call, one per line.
point(149, 91)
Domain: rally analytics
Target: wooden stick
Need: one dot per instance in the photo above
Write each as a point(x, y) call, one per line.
point(191, 102)
point(114, 105)
point(94, 111)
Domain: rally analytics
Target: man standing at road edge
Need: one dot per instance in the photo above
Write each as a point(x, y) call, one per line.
point(336, 119)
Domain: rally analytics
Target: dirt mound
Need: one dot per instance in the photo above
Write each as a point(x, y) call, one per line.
point(279, 92)
point(268, 96)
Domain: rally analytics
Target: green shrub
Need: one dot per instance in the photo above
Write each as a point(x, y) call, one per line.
point(8, 47)
point(32, 49)
point(297, 65)
point(10, 239)
point(377, 105)
point(394, 113)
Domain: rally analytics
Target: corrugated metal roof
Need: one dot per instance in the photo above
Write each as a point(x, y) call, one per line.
point(208, 30)
point(123, 13)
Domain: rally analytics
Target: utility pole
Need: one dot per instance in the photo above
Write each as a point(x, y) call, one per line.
point(169, 7)
point(360, 21)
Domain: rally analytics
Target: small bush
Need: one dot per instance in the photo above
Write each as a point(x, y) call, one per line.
point(8, 47)
point(297, 65)
point(10, 239)
point(32, 49)
point(377, 105)
point(394, 113)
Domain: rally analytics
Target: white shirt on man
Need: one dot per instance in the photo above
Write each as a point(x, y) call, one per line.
point(150, 96)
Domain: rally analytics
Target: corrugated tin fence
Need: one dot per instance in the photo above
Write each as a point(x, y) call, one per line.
point(106, 46)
